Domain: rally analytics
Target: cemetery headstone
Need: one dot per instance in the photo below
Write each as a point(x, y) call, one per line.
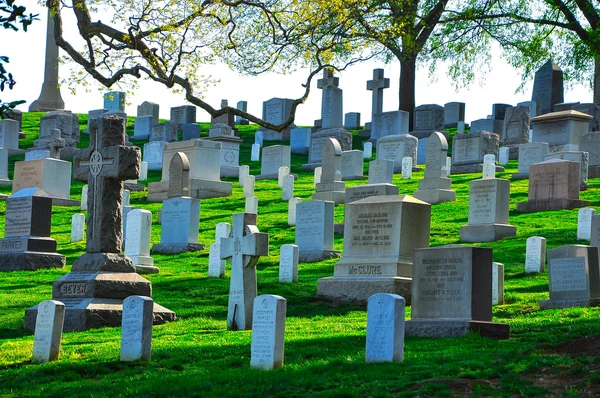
point(243, 173)
point(282, 172)
point(191, 131)
point(244, 248)
point(379, 237)
point(143, 171)
point(48, 331)
point(367, 150)
point(454, 112)
point(300, 140)
point(381, 172)
point(561, 130)
point(4, 180)
point(435, 186)
point(396, 148)
point(181, 115)
point(595, 231)
point(255, 155)
point(99, 280)
point(582, 158)
point(529, 154)
point(142, 127)
point(136, 329)
point(114, 101)
point(288, 188)
point(52, 176)
point(288, 263)
point(488, 211)
point(468, 151)
point(230, 148)
point(314, 231)
point(460, 128)
point(242, 106)
point(216, 266)
point(249, 186)
point(548, 87)
point(452, 293)
point(317, 141)
point(587, 108)
point(352, 165)
point(137, 241)
point(34, 154)
point(388, 124)
point(407, 163)
point(534, 109)
point(331, 188)
point(377, 85)
point(317, 176)
point(385, 328)
point(428, 119)
point(499, 111)
point(535, 254)
point(268, 332)
point(553, 185)
point(148, 109)
point(490, 125)
point(352, 121)
point(84, 197)
point(516, 129)
point(292, 210)
point(77, 227)
point(573, 277)
point(153, 155)
point(163, 132)
point(503, 158)
point(251, 205)
point(277, 111)
point(27, 244)
point(497, 283)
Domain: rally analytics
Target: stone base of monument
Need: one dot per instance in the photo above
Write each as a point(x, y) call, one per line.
point(471, 168)
point(170, 248)
point(313, 256)
point(486, 232)
point(102, 284)
point(359, 289)
point(146, 269)
point(337, 197)
point(434, 196)
point(533, 206)
point(15, 152)
point(455, 328)
point(594, 171)
point(520, 176)
point(270, 135)
point(199, 189)
point(29, 261)
point(134, 187)
point(270, 176)
point(230, 171)
point(65, 202)
point(359, 192)
point(351, 178)
point(548, 304)
point(90, 313)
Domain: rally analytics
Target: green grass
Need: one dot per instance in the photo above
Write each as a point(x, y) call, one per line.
point(325, 342)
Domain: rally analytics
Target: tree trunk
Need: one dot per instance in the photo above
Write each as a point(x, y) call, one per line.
point(408, 70)
point(596, 87)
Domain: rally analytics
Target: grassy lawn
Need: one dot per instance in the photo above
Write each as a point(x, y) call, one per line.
point(551, 352)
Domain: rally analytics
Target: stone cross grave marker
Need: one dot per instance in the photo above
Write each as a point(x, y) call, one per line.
point(244, 247)
point(385, 328)
point(48, 331)
point(56, 143)
point(377, 85)
point(136, 328)
point(328, 80)
point(104, 166)
point(268, 332)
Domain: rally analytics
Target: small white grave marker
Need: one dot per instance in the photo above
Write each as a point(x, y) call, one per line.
point(317, 177)
point(489, 158)
point(77, 227)
point(143, 171)
point(407, 168)
point(460, 128)
point(249, 186)
point(448, 166)
point(268, 332)
point(136, 328)
point(84, 197)
point(288, 187)
point(255, 155)
point(288, 263)
point(48, 331)
point(385, 328)
point(251, 205)
point(216, 266)
point(497, 283)
point(535, 254)
point(584, 223)
point(367, 150)
point(282, 172)
point(244, 171)
point(259, 137)
point(489, 171)
point(504, 153)
point(292, 210)
point(126, 197)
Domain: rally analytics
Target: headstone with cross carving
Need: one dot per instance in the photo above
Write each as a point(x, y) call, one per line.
point(332, 101)
point(243, 248)
point(100, 279)
point(56, 143)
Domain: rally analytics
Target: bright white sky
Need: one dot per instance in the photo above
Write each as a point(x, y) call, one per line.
point(26, 52)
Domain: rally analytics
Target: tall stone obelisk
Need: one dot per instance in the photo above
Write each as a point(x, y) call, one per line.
point(50, 98)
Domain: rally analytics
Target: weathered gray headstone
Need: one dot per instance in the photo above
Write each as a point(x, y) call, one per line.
point(468, 151)
point(314, 231)
point(454, 112)
point(389, 123)
point(181, 115)
point(529, 154)
point(137, 241)
point(77, 227)
point(435, 186)
point(352, 121)
point(396, 148)
point(148, 109)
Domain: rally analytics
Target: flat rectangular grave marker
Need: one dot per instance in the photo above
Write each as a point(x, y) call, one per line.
point(136, 328)
point(288, 264)
point(385, 328)
point(535, 254)
point(268, 331)
point(48, 331)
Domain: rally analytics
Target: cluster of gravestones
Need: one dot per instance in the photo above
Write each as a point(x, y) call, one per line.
point(387, 261)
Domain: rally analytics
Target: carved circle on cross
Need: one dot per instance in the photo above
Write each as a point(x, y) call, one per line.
point(96, 163)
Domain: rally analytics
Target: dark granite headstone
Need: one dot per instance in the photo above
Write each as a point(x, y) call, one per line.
point(548, 87)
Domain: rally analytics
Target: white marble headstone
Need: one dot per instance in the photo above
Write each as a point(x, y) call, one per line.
point(139, 232)
point(249, 186)
point(126, 197)
point(407, 168)
point(317, 176)
point(216, 266)
point(504, 153)
point(292, 210)
point(497, 283)
point(48, 331)
point(460, 128)
point(489, 171)
point(489, 158)
point(255, 155)
point(244, 171)
point(535, 254)
point(367, 150)
point(251, 205)
point(448, 166)
point(287, 187)
point(143, 171)
point(288, 263)
point(385, 328)
point(136, 328)
point(84, 197)
point(584, 223)
point(268, 332)
point(282, 172)
point(259, 137)
point(77, 227)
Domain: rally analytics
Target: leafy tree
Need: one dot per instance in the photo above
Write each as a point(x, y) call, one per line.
point(11, 15)
point(170, 42)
